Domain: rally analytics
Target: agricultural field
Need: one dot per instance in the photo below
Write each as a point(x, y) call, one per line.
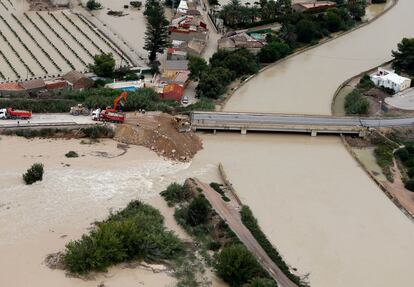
point(41, 44)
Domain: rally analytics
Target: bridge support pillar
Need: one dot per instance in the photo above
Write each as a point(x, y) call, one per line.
point(314, 133)
point(243, 131)
point(214, 132)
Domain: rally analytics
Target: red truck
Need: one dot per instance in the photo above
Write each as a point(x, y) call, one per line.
point(106, 116)
point(9, 113)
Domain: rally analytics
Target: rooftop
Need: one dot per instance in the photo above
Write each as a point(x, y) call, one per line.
point(11, 87)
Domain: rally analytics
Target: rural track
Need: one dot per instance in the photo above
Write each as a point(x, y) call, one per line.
point(231, 216)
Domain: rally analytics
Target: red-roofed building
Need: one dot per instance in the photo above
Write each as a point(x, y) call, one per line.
point(313, 6)
point(12, 89)
point(172, 92)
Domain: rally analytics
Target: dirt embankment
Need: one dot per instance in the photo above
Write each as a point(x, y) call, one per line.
point(157, 132)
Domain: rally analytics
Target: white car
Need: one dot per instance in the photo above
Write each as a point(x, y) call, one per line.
point(184, 100)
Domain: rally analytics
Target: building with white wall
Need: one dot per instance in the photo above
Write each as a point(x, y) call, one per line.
point(390, 80)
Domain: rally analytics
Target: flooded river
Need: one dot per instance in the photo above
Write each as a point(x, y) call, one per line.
point(307, 82)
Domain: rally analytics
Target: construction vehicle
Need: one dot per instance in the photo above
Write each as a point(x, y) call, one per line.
point(106, 116)
point(111, 114)
point(79, 110)
point(9, 113)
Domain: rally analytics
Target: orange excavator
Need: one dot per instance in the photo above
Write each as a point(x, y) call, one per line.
point(111, 114)
point(123, 96)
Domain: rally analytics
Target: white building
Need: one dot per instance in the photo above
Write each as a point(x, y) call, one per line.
point(389, 79)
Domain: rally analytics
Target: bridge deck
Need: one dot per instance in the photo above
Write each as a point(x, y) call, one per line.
point(290, 123)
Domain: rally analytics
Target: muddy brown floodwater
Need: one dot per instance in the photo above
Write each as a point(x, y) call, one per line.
point(40, 219)
point(306, 83)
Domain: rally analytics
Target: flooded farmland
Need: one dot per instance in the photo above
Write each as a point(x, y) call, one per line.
point(42, 44)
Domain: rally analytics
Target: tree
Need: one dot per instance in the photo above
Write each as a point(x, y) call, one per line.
point(213, 83)
point(273, 51)
point(197, 67)
point(104, 65)
point(334, 22)
point(33, 174)
point(93, 5)
point(236, 265)
point(409, 184)
point(198, 211)
point(404, 56)
point(306, 31)
point(355, 104)
point(260, 282)
point(240, 62)
point(357, 9)
point(156, 36)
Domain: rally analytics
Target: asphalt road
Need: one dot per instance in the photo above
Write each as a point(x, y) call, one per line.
point(230, 214)
point(303, 120)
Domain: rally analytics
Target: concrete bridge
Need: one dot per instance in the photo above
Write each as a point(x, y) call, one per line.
point(243, 122)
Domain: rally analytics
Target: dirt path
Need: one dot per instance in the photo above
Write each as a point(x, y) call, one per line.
point(231, 216)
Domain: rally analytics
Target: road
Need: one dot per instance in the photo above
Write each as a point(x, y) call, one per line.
point(302, 120)
point(49, 119)
point(230, 214)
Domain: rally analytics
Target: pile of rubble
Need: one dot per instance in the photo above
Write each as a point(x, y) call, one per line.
point(158, 132)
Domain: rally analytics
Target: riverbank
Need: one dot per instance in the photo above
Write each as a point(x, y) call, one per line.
point(306, 82)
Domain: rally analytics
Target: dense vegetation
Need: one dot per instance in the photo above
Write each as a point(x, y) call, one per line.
point(224, 67)
point(404, 57)
point(406, 156)
point(237, 266)
point(296, 27)
point(384, 154)
point(33, 174)
point(145, 98)
point(250, 222)
point(136, 232)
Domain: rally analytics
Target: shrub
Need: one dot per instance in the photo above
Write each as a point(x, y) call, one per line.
point(217, 187)
point(402, 154)
point(198, 211)
point(236, 265)
point(409, 184)
point(213, 245)
point(175, 193)
point(250, 222)
point(93, 5)
point(365, 83)
point(410, 172)
point(71, 154)
point(136, 232)
point(273, 51)
point(355, 104)
point(33, 174)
